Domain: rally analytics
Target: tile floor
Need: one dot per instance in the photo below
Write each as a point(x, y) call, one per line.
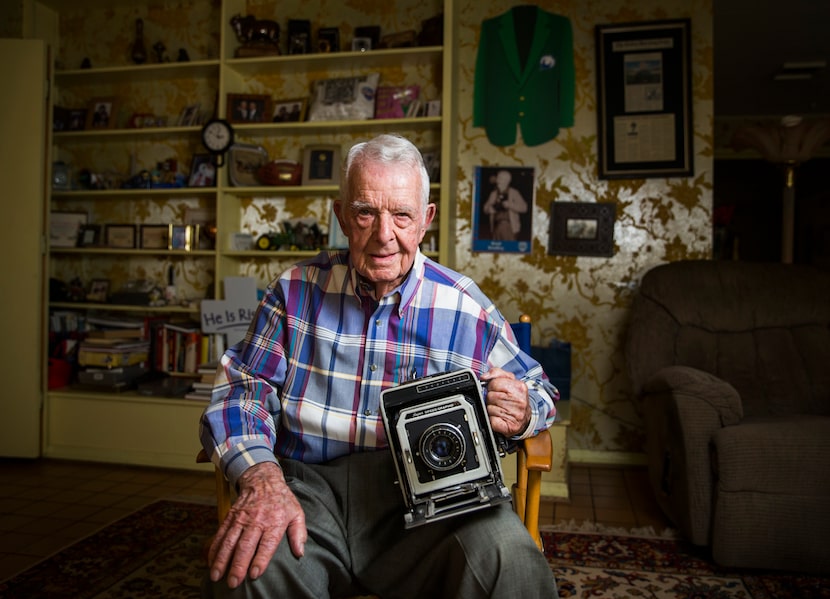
point(48, 504)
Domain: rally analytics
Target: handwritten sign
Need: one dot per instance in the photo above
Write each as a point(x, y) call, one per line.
point(231, 316)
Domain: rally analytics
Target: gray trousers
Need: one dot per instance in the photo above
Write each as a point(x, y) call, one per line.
point(357, 544)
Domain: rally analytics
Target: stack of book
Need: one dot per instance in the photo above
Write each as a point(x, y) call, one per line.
point(203, 386)
point(113, 358)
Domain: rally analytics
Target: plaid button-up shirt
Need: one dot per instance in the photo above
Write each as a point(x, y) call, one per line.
point(305, 382)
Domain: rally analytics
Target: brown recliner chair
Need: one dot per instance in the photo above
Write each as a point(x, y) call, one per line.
point(730, 362)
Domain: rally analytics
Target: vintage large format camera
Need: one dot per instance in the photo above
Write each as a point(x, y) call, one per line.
point(444, 449)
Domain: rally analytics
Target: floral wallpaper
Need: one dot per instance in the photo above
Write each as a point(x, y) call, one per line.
point(582, 300)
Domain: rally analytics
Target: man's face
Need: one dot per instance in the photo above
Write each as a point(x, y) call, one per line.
point(385, 223)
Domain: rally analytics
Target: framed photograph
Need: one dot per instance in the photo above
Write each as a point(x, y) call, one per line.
point(101, 113)
point(189, 115)
point(582, 229)
point(89, 236)
point(202, 171)
point(337, 239)
point(121, 236)
point(65, 228)
point(321, 165)
point(248, 108)
point(299, 36)
point(503, 209)
point(370, 32)
point(155, 237)
point(644, 89)
point(76, 119)
point(361, 44)
point(290, 111)
point(328, 39)
point(244, 160)
point(180, 237)
point(432, 160)
point(98, 290)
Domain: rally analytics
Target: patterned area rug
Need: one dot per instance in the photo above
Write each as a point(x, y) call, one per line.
point(608, 565)
point(157, 552)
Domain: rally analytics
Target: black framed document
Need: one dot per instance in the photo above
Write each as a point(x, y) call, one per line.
point(644, 103)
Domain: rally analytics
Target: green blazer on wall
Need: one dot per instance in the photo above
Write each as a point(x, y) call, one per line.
point(524, 76)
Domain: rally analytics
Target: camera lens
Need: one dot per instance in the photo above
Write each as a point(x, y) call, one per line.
point(442, 446)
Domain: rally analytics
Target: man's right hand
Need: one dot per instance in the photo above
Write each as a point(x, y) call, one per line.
point(263, 513)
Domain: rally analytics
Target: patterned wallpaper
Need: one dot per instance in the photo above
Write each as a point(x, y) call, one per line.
point(583, 300)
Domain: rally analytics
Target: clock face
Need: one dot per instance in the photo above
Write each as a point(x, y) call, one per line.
point(217, 135)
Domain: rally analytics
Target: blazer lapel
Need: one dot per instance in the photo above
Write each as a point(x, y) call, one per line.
point(507, 32)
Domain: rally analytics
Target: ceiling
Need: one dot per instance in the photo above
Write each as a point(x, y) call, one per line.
point(753, 39)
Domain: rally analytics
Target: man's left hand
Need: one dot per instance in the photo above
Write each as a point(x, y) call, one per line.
point(507, 402)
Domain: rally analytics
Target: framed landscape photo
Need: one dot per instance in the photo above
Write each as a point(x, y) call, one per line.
point(154, 237)
point(249, 108)
point(244, 160)
point(644, 100)
point(101, 113)
point(290, 111)
point(321, 165)
point(121, 236)
point(582, 229)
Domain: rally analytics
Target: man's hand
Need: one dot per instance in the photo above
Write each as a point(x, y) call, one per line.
point(507, 402)
point(264, 512)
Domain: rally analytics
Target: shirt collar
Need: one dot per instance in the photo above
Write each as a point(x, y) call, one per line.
point(405, 292)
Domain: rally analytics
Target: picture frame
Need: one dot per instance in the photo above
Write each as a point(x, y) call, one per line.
point(202, 171)
point(155, 237)
point(248, 108)
point(503, 202)
point(369, 32)
point(101, 113)
point(121, 236)
point(582, 229)
point(244, 160)
point(292, 110)
point(432, 162)
point(180, 237)
point(77, 119)
point(337, 239)
point(644, 100)
point(299, 36)
point(321, 164)
point(98, 290)
point(89, 236)
point(65, 227)
point(328, 40)
point(361, 44)
point(189, 115)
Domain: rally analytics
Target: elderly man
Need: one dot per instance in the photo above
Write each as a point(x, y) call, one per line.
point(295, 425)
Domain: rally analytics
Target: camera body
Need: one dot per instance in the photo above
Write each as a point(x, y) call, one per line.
point(443, 446)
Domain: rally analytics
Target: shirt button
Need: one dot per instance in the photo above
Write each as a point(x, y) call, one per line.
point(373, 367)
point(367, 412)
point(377, 322)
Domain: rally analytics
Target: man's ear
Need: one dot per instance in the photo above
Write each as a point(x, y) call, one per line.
point(429, 216)
point(341, 217)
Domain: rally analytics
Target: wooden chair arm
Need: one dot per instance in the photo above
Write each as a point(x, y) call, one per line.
point(538, 452)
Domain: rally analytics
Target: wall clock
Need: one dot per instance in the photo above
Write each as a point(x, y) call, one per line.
point(217, 137)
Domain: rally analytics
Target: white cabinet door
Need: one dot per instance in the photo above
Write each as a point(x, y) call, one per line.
point(22, 188)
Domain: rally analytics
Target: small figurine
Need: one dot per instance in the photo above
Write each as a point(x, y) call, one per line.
point(159, 47)
point(183, 56)
point(138, 52)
